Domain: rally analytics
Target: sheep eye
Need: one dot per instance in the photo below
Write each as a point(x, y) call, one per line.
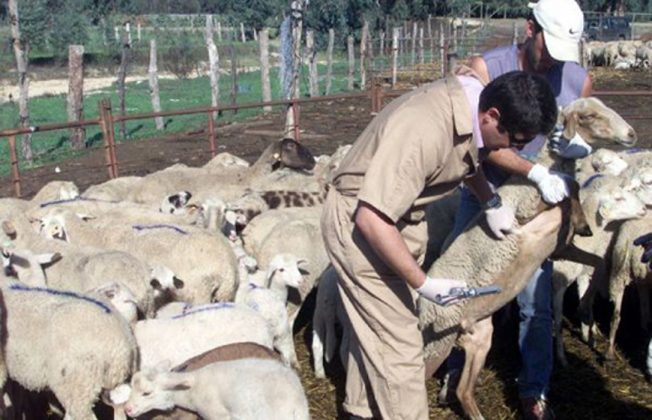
point(281, 269)
point(146, 394)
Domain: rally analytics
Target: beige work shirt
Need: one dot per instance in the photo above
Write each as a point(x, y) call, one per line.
point(415, 151)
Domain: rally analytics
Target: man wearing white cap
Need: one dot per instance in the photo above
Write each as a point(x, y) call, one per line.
point(553, 32)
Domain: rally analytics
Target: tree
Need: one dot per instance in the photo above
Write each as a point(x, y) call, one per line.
point(69, 26)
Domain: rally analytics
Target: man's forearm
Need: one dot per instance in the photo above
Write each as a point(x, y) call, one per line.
point(385, 239)
point(510, 161)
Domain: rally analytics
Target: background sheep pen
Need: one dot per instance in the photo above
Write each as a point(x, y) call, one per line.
point(588, 388)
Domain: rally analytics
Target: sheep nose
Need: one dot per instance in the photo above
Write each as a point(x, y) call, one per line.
point(631, 134)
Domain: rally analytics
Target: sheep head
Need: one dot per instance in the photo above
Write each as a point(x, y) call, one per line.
point(596, 122)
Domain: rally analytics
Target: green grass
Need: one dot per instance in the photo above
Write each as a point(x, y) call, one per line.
point(175, 94)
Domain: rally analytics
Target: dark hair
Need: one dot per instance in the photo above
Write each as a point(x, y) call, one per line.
point(525, 101)
point(537, 27)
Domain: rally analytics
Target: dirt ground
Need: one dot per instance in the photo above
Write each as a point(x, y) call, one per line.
point(587, 389)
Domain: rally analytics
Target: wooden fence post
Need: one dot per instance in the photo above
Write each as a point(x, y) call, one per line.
point(153, 84)
point(106, 124)
point(75, 99)
point(311, 53)
point(363, 54)
point(211, 134)
point(329, 66)
point(295, 112)
point(351, 55)
point(266, 87)
point(395, 45)
point(15, 173)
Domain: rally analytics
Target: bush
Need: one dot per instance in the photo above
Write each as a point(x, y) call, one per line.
point(182, 55)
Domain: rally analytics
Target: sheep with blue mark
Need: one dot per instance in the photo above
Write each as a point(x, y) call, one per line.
point(83, 268)
point(196, 329)
point(56, 190)
point(203, 261)
point(72, 344)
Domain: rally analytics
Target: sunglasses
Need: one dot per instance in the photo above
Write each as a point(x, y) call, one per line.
point(513, 141)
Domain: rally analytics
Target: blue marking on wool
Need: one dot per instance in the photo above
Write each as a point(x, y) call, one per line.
point(253, 286)
point(634, 150)
point(591, 179)
point(205, 308)
point(160, 226)
point(65, 293)
point(72, 200)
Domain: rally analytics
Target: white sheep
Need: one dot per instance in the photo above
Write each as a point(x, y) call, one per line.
point(260, 226)
point(196, 330)
point(480, 259)
point(327, 315)
point(56, 190)
point(67, 342)
point(303, 239)
point(246, 389)
point(604, 203)
point(626, 268)
point(204, 262)
point(270, 300)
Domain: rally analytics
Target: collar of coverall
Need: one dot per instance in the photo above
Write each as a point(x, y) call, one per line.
point(462, 115)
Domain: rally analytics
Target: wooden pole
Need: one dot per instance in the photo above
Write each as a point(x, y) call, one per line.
point(15, 173)
point(363, 55)
point(153, 84)
point(213, 63)
point(395, 35)
point(351, 55)
point(295, 112)
point(313, 85)
point(442, 50)
point(413, 45)
point(211, 134)
point(422, 59)
point(266, 87)
point(329, 54)
point(102, 107)
point(75, 99)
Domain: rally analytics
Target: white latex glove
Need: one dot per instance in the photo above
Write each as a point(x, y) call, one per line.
point(434, 289)
point(500, 219)
point(552, 187)
point(575, 148)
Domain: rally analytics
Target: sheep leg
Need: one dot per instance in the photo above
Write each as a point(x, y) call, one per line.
point(644, 304)
point(557, 310)
point(119, 413)
point(588, 328)
point(318, 350)
point(476, 345)
point(617, 300)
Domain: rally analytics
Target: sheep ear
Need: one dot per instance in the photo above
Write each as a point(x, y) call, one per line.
point(270, 274)
point(604, 211)
point(182, 385)
point(156, 285)
point(163, 366)
point(109, 290)
point(85, 217)
point(48, 258)
point(9, 229)
point(570, 125)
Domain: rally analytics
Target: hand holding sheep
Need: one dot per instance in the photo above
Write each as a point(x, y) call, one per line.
point(646, 242)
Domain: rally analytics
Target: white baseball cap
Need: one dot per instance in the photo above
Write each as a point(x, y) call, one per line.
point(562, 22)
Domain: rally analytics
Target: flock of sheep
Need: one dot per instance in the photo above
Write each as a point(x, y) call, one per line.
point(179, 290)
point(623, 54)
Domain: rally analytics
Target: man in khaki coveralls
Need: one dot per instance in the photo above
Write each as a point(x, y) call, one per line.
point(415, 151)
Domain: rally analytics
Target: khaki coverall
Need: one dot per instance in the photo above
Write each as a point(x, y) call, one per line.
point(415, 151)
